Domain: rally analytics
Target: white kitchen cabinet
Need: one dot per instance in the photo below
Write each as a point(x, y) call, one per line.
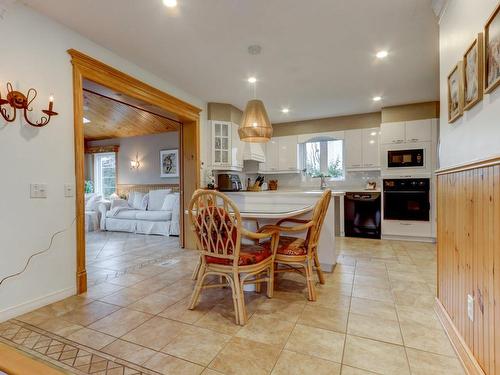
point(353, 146)
point(271, 163)
point(281, 155)
point(288, 153)
point(237, 147)
point(418, 131)
point(221, 144)
point(392, 132)
point(406, 132)
point(371, 148)
point(362, 150)
point(227, 148)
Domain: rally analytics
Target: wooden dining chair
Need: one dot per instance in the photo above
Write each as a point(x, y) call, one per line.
point(295, 254)
point(217, 225)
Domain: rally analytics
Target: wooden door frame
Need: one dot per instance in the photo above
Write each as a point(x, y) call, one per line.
point(86, 67)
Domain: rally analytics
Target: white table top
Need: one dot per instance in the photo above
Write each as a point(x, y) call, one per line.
point(273, 211)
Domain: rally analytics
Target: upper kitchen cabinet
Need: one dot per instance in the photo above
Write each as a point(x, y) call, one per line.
point(288, 153)
point(353, 146)
point(407, 132)
point(281, 155)
point(227, 149)
point(272, 152)
point(237, 147)
point(392, 132)
point(362, 150)
point(371, 148)
point(418, 131)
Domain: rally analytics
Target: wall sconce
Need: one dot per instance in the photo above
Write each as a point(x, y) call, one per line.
point(135, 164)
point(18, 100)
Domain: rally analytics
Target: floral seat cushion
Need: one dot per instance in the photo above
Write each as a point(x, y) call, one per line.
point(293, 246)
point(249, 254)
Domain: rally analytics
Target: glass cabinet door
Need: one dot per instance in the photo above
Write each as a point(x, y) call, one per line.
point(222, 143)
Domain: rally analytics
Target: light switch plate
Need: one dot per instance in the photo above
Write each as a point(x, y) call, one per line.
point(69, 190)
point(470, 307)
point(38, 190)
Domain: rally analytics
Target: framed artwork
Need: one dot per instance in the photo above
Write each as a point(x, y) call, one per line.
point(455, 93)
point(473, 73)
point(492, 51)
point(169, 163)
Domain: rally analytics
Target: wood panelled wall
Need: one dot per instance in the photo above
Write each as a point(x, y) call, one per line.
point(469, 262)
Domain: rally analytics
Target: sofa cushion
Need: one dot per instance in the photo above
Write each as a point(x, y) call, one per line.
point(154, 215)
point(168, 203)
point(156, 199)
point(124, 214)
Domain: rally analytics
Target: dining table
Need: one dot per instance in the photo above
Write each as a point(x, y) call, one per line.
point(261, 208)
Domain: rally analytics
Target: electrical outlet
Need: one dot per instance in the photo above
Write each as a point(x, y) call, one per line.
point(470, 307)
point(38, 190)
point(69, 190)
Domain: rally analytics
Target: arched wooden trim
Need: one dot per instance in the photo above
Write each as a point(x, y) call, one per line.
point(86, 67)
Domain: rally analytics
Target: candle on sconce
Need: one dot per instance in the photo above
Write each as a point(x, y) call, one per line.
point(51, 102)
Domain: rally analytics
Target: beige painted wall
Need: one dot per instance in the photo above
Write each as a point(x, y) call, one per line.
point(406, 112)
point(365, 120)
point(409, 112)
point(224, 112)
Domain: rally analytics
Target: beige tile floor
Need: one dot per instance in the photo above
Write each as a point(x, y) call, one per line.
point(374, 315)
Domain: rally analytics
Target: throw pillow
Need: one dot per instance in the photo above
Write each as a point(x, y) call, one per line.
point(168, 203)
point(114, 197)
point(137, 203)
point(144, 203)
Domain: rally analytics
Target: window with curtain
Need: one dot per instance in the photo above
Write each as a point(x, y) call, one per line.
point(105, 174)
point(324, 157)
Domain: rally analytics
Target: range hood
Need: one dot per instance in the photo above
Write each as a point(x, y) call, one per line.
point(254, 151)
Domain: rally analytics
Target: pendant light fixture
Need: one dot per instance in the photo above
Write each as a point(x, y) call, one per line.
point(255, 125)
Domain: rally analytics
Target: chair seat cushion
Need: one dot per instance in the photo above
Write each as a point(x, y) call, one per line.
point(293, 246)
point(249, 254)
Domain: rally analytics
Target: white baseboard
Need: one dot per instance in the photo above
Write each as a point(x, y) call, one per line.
point(409, 238)
point(26, 307)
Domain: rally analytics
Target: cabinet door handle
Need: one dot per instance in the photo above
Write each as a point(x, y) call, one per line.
point(406, 224)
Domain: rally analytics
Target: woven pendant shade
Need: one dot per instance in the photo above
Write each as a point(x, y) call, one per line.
point(255, 125)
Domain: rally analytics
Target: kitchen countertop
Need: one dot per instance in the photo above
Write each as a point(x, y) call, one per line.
point(335, 191)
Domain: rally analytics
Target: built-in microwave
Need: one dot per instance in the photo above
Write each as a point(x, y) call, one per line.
point(406, 159)
point(409, 158)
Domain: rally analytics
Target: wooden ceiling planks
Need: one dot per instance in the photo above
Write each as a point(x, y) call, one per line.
point(112, 119)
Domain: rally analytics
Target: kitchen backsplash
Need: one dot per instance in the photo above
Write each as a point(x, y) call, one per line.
point(352, 179)
point(301, 181)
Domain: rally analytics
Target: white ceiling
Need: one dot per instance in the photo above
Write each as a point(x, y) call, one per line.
point(317, 55)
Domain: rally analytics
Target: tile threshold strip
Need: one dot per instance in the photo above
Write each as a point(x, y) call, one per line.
point(64, 353)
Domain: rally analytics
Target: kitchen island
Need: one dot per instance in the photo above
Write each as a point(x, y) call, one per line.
point(267, 207)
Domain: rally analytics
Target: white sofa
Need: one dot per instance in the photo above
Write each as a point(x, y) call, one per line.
point(154, 213)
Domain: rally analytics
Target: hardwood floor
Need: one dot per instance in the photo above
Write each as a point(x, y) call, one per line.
point(374, 315)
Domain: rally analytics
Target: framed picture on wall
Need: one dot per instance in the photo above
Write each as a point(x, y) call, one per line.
point(473, 73)
point(169, 163)
point(455, 93)
point(492, 51)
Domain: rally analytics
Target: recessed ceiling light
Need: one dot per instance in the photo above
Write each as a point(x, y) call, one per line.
point(373, 134)
point(170, 3)
point(86, 120)
point(285, 110)
point(382, 54)
point(252, 80)
point(377, 98)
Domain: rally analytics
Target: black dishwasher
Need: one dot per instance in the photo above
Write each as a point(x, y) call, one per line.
point(362, 214)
